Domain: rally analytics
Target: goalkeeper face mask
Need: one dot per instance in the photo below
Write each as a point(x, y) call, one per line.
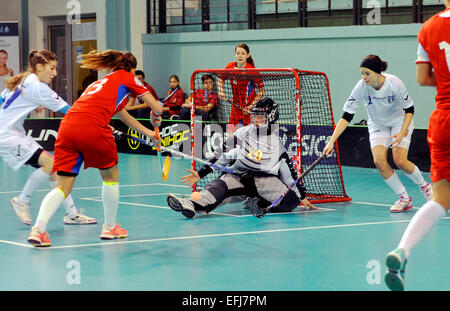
point(259, 119)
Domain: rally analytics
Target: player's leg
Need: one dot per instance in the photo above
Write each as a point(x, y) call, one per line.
point(72, 215)
point(400, 156)
point(21, 203)
point(49, 206)
point(226, 189)
point(110, 198)
point(269, 189)
point(379, 140)
point(431, 212)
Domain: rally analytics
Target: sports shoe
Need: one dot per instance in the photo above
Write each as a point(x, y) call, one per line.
point(111, 233)
point(22, 210)
point(38, 238)
point(395, 275)
point(182, 205)
point(427, 191)
point(403, 204)
point(79, 219)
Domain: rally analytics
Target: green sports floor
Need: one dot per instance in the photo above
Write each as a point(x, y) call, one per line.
point(340, 247)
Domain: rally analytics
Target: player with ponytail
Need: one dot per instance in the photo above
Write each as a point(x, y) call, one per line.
point(85, 136)
point(24, 93)
point(390, 110)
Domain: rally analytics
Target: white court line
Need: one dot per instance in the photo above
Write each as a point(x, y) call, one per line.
point(219, 235)
point(16, 243)
point(379, 204)
point(100, 187)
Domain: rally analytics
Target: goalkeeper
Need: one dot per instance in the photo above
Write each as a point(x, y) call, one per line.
point(261, 168)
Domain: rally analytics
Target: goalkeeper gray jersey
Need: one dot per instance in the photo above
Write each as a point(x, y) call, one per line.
point(254, 151)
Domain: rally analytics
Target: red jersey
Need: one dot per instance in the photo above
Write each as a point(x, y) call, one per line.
point(152, 91)
point(104, 98)
point(434, 36)
point(203, 98)
point(174, 100)
point(244, 93)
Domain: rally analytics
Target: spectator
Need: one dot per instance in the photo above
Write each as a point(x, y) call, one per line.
point(140, 109)
point(205, 101)
point(174, 99)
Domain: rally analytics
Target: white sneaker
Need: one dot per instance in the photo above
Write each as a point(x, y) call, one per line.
point(427, 191)
point(182, 205)
point(22, 210)
point(79, 219)
point(403, 204)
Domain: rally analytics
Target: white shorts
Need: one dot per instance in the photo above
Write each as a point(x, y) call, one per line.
point(381, 135)
point(17, 148)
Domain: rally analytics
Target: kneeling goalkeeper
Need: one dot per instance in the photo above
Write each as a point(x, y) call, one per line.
point(261, 169)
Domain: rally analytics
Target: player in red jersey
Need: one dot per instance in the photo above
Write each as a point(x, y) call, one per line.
point(85, 136)
point(432, 69)
point(244, 91)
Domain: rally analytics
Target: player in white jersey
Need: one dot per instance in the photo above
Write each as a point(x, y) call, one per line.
point(390, 110)
point(24, 93)
point(261, 169)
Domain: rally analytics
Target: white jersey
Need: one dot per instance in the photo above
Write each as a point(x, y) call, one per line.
point(384, 106)
point(17, 104)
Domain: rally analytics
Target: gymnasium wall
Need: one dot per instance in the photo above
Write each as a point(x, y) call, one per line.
point(337, 51)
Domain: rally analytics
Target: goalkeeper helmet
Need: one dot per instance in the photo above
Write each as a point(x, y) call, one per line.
point(265, 108)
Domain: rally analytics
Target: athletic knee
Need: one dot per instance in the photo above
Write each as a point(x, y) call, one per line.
point(289, 202)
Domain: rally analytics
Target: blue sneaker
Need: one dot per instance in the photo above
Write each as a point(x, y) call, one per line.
point(395, 275)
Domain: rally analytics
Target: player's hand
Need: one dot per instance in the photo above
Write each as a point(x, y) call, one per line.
point(329, 148)
point(308, 205)
point(155, 140)
point(396, 139)
point(190, 179)
point(222, 95)
point(155, 120)
point(248, 109)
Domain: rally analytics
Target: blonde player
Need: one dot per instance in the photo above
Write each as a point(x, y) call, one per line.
point(23, 94)
point(390, 110)
point(432, 69)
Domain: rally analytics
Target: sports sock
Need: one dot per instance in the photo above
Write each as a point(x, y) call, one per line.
point(110, 199)
point(48, 207)
point(417, 177)
point(68, 203)
point(396, 185)
point(34, 180)
point(422, 222)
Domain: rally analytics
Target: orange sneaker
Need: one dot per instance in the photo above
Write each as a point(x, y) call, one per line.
point(111, 233)
point(39, 238)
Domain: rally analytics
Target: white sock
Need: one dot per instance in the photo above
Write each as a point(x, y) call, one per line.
point(34, 180)
point(396, 185)
point(110, 198)
point(48, 207)
point(68, 203)
point(422, 222)
point(417, 177)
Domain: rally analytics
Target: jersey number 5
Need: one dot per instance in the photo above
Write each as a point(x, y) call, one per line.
point(443, 45)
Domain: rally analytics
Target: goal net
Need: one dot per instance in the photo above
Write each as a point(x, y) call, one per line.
point(306, 121)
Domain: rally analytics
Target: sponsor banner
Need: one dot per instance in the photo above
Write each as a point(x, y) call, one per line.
point(44, 131)
point(354, 146)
